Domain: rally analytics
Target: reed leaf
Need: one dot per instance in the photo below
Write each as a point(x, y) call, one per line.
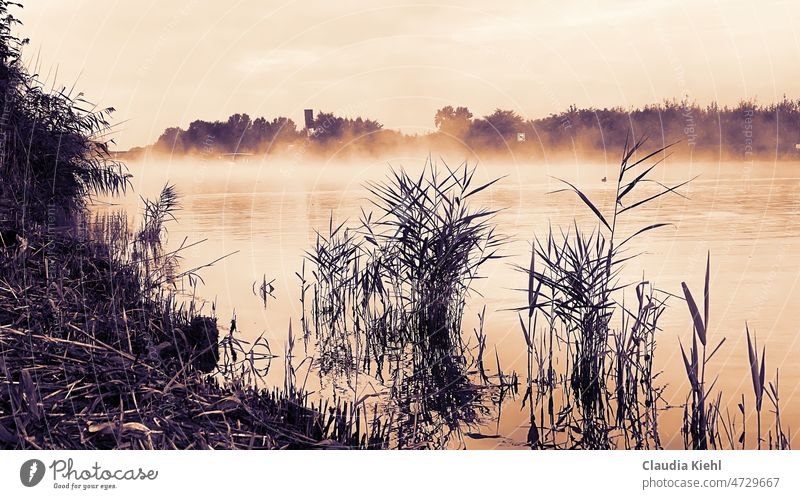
point(697, 320)
point(588, 203)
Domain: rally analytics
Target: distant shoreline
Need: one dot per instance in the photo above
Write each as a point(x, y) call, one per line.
point(678, 152)
point(746, 132)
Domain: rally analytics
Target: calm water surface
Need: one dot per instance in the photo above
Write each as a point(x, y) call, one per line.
point(745, 214)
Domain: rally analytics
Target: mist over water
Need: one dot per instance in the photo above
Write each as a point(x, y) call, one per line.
point(745, 214)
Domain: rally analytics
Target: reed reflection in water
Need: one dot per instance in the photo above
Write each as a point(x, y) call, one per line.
point(743, 214)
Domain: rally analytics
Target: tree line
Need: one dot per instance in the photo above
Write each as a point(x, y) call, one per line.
point(747, 130)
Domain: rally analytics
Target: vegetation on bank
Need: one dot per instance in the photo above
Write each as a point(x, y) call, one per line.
point(747, 131)
point(99, 351)
point(96, 349)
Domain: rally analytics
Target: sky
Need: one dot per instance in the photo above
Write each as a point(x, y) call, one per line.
point(162, 64)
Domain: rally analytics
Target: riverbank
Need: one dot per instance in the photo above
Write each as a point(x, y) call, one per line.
point(88, 360)
point(96, 349)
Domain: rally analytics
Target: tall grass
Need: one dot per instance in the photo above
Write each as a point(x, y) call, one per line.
point(606, 394)
point(574, 284)
point(97, 350)
point(55, 144)
point(757, 376)
point(700, 413)
point(389, 294)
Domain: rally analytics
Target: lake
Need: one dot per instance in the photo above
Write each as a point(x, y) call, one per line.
point(264, 213)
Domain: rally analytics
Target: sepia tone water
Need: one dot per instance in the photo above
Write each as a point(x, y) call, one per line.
point(745, 214)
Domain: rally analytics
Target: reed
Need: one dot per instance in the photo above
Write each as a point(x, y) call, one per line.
point(389, 297)
point(781, 441)
point(757, 377)
point(607, 384)
point(698, 426)
point(55, 143)
point(606, 393)
point(91, 357)
point(102, 347)
point(98, 347)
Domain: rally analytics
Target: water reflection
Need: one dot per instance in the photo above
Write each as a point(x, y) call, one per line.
point(747, 219)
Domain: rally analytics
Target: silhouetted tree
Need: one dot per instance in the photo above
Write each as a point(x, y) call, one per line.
point(331, 128)
point(237, 134)
point(172, 140)
point(496, 130)
point(745, 130)
point(454, 122)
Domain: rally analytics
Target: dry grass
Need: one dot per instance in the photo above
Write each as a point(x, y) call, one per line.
point(90, 358)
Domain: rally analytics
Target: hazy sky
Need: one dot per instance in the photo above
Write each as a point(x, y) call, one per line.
point(165, 63)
